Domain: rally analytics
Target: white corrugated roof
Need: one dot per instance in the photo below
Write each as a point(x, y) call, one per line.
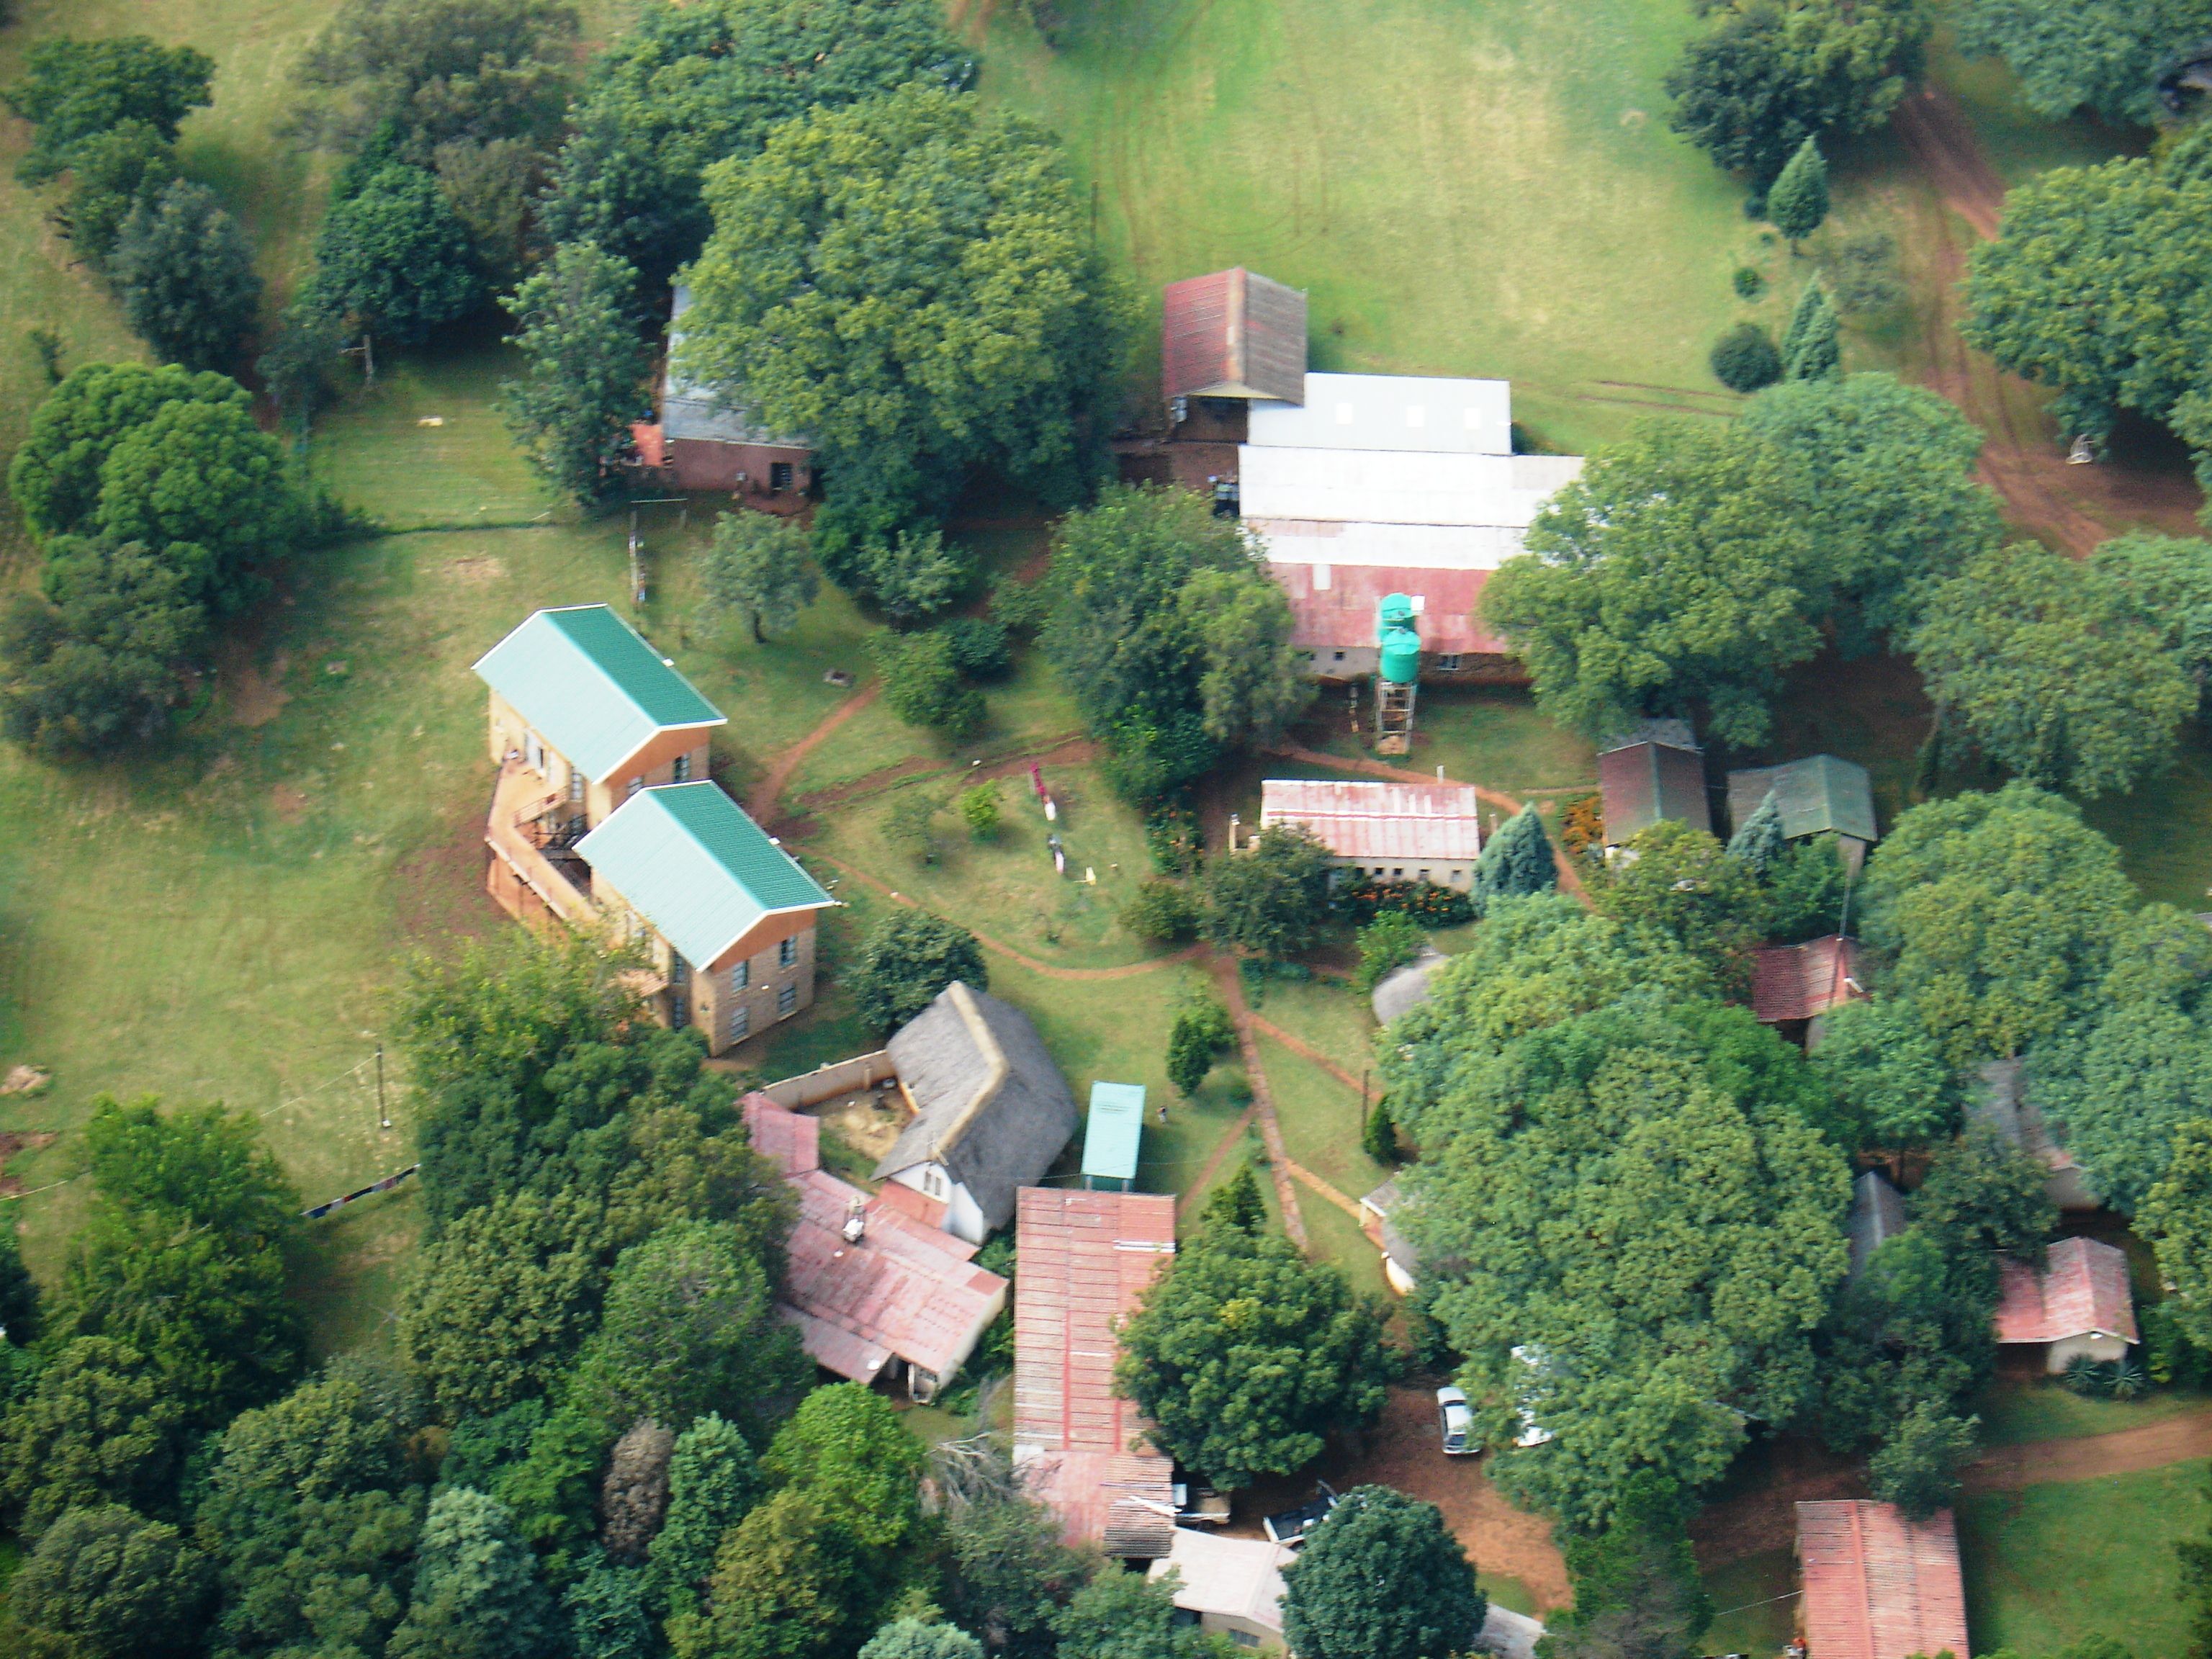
point(1398, 486)
point(1235, 1577)
point(1328, 542)
point(1391, 411)
point(1379, 820)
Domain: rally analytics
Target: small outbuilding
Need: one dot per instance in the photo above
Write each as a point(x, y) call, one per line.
point(1793, 985)
point(709, 438)
point(1877, 1585)
point(1384, 831)
point(991, 1110)
point(1379, 1214)
point(2000, 1098)
point(2080, 1306)
point(1819, 795)
point(1115, 1133)
point(1233, 1586)
point(1877, 1216)
point(1232, 334)
point(1651, 773)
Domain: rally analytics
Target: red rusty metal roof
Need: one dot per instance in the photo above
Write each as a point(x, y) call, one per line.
point(1340, 616)
point(1878, 1586)
point(2082, 1291)
point(1378, 820)
point(1085, 1258)
point(904, 1288)
point(1232, 334)
point(1801, 981)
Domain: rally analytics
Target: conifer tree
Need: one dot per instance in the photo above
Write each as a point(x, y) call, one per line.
point(1380, 1139)
point(1518, 861)
point(712, 1484)
point(476, 1586)
point(1758, 840)
point(1799, 200)
point(1813, 349)
point(1200, 1033)
point(1236, 1203)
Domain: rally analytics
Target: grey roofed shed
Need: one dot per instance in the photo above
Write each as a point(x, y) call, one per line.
point(1816, 794)
point(1644, 783)
point(1877, 1217)
point(990, 1106)
point(704, 413)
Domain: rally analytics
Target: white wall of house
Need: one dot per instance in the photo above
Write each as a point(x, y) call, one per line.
point(964, 1217)
point(2094, 1345)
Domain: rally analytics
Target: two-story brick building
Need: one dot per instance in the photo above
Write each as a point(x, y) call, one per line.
point(603, 817)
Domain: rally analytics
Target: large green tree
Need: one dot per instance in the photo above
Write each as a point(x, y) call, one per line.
point(587, 357)
point(105, 1583)
point(1630, 1225)
point(687, 85)
point(96, 661)
point(1243, 1354)
point(2100, 286)
point(713, 1483)
point(2046, 664)
point(431, 72)
point(97, 1427)
point(848, 1451)
point(2169, 578)
point(908, 957)
point(55, 477)
point(2000, 910)
point(2175, 1216)
point(110, 174)
point(762, 566)
point(1673, 575)
point(909, 282)
point(1637, 1589)
point(1270, 898)
point(73, 90)
point(476, 1590)
point(1171, 633)
point(393, 257)
point(2104, 55)
point(185, 273)
point(791, 1581)
point(1767, 75)
point(1683, 891)
point(1129, 1615)
point(1382, 1577)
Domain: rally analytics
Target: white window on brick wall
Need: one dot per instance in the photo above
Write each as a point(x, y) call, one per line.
point(679, 770)
point(787, 1001)
point(575, 785)
point(741, 1021)
point(786, 954)
point(741, 975)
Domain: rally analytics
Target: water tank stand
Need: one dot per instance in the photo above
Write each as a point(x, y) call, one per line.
point(1393, 715)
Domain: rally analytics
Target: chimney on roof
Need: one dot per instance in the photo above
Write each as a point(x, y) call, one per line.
point(856, 1220)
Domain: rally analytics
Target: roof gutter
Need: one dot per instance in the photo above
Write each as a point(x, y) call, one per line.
point(995, 1074)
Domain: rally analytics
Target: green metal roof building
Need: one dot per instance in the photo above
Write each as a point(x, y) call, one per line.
point(1814, 795)
point(688, 858)
point(1110, 1146)
point(592, 687)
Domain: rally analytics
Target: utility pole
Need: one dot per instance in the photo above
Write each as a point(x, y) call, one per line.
point(383, 1111)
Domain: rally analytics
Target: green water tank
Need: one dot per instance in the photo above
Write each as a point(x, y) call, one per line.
point(1401, 655)
point(1396, 610)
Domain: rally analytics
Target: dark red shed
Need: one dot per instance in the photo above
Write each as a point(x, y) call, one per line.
point(1233, 335)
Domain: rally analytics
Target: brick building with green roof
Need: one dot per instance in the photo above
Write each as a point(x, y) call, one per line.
point(728, 917)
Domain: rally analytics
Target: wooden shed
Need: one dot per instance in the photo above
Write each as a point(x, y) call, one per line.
point(1233, 334)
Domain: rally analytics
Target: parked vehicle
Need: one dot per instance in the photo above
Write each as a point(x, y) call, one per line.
point(1199, 1506)
point(1292, 1526)
point(1456, 1418)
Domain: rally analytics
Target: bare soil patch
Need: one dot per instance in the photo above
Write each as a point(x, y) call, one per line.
point(13, 1141)
point(252, 696)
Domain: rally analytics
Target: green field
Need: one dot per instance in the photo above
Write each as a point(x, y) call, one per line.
point(1485, 189)
point(2059, 1564)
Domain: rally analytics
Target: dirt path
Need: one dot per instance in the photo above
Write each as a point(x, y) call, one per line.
point(1279, 1166)
point(2073, 506)
point(2152, 1446)
point(1305, 1051)
point(761, 803)
point(1222, 1148)
point(1060, 751)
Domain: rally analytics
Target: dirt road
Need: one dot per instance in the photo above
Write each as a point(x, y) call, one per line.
point(2152, 1446)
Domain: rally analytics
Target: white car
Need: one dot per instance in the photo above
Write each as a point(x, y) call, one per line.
point(1457, 1418)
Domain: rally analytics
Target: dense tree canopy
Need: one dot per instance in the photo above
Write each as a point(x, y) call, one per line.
point(1767, 75)
point(2048, 666)
point(909, 282)
point(111, 173)
point(395, 257)
point(73, 90)
point(2000, 911)
point(476, 1590)
point(1171, 633)
point(2100, 286)
point(689, 85)
point(1636, 1584)
point(97, 1427)
point(2175, 1216)
point(586, 359)
point(1269, 898)
point(185, 273)
point(1243, 1354)
point(55, 477)
point(1381, 1578)
point(105, 1583)
point(2169, 578)
point(2104, 55)
point(906, 960)
point(433, 71)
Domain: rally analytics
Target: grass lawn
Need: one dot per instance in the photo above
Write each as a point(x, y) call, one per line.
point(1754, 1608)
point(1321, 1123)
point(1006, 887)
point(2050, 1566)
point(1326, 1014)
point(2016, 1410)
point(1493, 736)
point(1486, 188)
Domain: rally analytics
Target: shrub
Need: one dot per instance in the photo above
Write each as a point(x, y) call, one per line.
point(1423, 900)
point(1582, 824)
point(1173, 838)
point(1379, 1139)
point(908, 957)
point(1748, 283)
point(1389, 942)
point(978, 647)
point(1201, 1035)
point(922, 685)
point(979, 810)
point(1744, 359)
point(1161, 910)
point(1860, 273)
point(909, 825)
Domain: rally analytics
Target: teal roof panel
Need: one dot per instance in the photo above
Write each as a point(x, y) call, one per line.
point(1117, 1125)
point(591, 686)
point(688, 858)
